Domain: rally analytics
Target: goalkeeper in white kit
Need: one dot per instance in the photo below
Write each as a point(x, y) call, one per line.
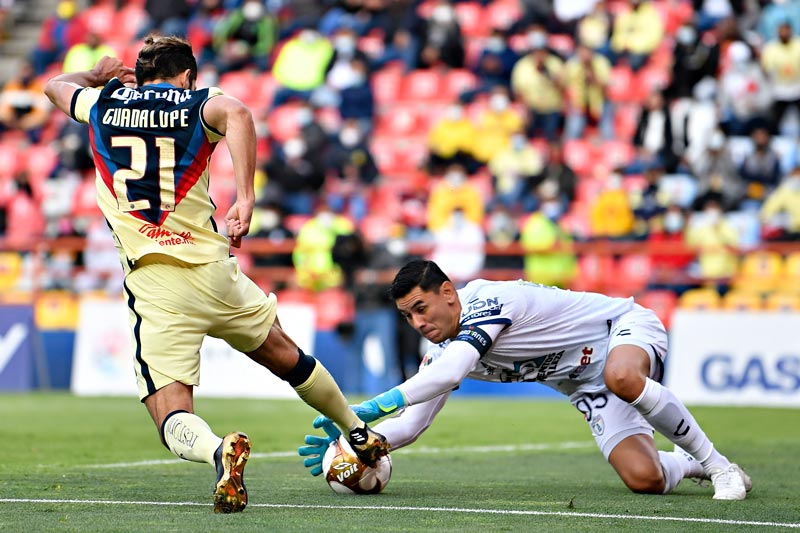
point(606, 354)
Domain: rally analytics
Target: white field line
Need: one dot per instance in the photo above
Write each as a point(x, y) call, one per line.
point(793, 525)
point(420, 450)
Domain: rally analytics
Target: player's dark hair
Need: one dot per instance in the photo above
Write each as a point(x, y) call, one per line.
point(418, 273)
point(164, 57)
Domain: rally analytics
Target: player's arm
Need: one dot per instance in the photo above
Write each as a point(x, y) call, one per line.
point(61, 89)
point(400, 431)
point(231, 118)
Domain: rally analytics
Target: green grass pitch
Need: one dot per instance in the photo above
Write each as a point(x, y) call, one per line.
point(95, 464)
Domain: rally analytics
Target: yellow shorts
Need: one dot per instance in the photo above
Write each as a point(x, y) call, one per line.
point(173, 305)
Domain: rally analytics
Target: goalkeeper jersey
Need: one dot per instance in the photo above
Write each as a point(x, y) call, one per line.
point(151, 149)
point(550, 335)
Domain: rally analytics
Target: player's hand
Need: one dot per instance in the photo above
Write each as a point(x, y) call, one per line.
point(380, 406)
point(108, 68)
point(316, 446)
point(238, 222)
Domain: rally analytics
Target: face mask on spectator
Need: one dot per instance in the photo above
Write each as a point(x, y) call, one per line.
point(309, 36)
point(685, 35)
point(304, 116)
point(252, 10)
point(713, 214)
point(551, 209)
point(495, 44)
point(345, 45)
point(537, 40)
point(455, 112)
point(349, 137)
point(455, 178)
point(269, 219)
point(498, 102)
point(443, 14)
point(673, 222)
point(518, 142)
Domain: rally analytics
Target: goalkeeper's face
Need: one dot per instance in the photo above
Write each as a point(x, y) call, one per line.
point(434, 314)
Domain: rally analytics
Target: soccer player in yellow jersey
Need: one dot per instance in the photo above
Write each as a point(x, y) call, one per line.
point(152, 135)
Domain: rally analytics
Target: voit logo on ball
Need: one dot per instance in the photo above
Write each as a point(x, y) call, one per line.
point(344, 470)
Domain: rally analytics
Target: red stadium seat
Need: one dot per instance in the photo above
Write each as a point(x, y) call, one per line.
point(457, 81)
point(561, 43)
point(579, 156)
point(633, 272)
point(662, 302)
point(282, 122)
point(626, 119)
point(397, 120)
point(471, 19)
point(652, 78)
point(421, 85)
point(333, 307)
point(386, 84)
point(502, 13)
point(10, 160)
point(616, 153)
point(594, 272)
point(40, 161)
point(100, 19)
point(621, 86)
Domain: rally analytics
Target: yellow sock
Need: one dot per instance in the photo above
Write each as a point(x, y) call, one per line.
point(322, 393)
point(189, 437)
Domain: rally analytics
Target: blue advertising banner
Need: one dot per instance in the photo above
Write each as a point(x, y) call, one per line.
point(16, 347)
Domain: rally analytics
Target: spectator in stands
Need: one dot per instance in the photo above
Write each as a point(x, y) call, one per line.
point(23, 105)
point(710, 12)
point(549, 258)
point(776, 13)
point(402, 30)
point(513, 169)
point(717, 174)
point(557, 172)
point(354, 14)
point(493, 67)
point(451, 193)
point(653, 137)
point(716, 242)
point(74, 150)
point(346, 69)
point(59, 32)
point(245, 37)
point(166, 18)
point(459, 248)
point(744, 94)
point(313, 134)
point(269, 224)
point(502, 232)
point(301, 66)
point(781, 61)
point(637, 33)
point(593, 29)
point(761, 169)
point(649, 204)
point(200, 29)
point(296, 179)
point(25, 223)
point(84, 56)
point(496, 124)
point(781, 210)
point(670, 265)
point(611, 215)
point(694, 120)
point(537, 80)
point(441, 42)
point(586, 77)
point(695, 57)
point(567, 14)
point(351, 170)
point(451, 140)
point(313, 253)
point(356, 100)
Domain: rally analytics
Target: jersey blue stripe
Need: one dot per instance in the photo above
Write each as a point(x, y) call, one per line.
point(498, 320)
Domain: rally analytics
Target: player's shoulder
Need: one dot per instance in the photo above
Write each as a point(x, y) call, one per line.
point(484, 301)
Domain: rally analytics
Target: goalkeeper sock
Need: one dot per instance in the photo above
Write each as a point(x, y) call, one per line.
point(321, 392)
point(659, 406)
point(189, 437)
point(677, 466)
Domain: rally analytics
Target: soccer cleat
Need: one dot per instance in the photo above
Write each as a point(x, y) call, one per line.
point(230, 494)
point(699, 475)
point(729, 483)
point(368, 445)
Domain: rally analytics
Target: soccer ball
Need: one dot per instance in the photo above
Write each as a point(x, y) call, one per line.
point(345, 474)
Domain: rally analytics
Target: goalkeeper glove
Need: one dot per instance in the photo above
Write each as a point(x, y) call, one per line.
point(380, 406)
point(316, 446)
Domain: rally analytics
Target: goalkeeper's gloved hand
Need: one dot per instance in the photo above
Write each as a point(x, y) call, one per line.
point(316, 446)
point(380, 406)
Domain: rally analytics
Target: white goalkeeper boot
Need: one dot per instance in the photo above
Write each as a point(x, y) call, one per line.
point(730, 483)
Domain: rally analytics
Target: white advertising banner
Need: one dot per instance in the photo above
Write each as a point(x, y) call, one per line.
point(735, 358)
point(103, 364)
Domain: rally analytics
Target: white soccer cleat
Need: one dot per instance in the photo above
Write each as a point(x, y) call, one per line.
point(729, 483)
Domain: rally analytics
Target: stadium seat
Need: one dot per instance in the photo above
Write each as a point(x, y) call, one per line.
point(10, 161)
point(502, 13)
point(129, 19)
point(579, 156)
point(371, 44)
point(40, 160)
point(700, 299)
point(561, 43)
point(616, 153)
point(736, 300)
point(457, 81)
point(397, 120)
point(662, 302)
point(759, 271)
point(282, 122)
point(632, 273)
point(782, 301)
point(472, 20)
point(421, 85)
point(100, 19)
point(594, 272)
point(376, 228)
point(265, 86)
point(626, 119)
point(386, 84)
point(56, 310)
point(10, 270)
point(621, 87)
point(652, 78)
point(790, 274)
point(333, 306)
point(241, 84)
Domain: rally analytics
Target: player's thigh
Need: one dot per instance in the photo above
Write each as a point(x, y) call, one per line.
point(610, 419)
point(642, 328)
point(166, 328)
point(242, 313)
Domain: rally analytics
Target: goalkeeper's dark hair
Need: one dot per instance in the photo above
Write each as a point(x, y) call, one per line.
point(164, 57)
point(418, 273)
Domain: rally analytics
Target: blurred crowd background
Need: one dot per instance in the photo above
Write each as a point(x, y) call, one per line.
point(643, 147)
